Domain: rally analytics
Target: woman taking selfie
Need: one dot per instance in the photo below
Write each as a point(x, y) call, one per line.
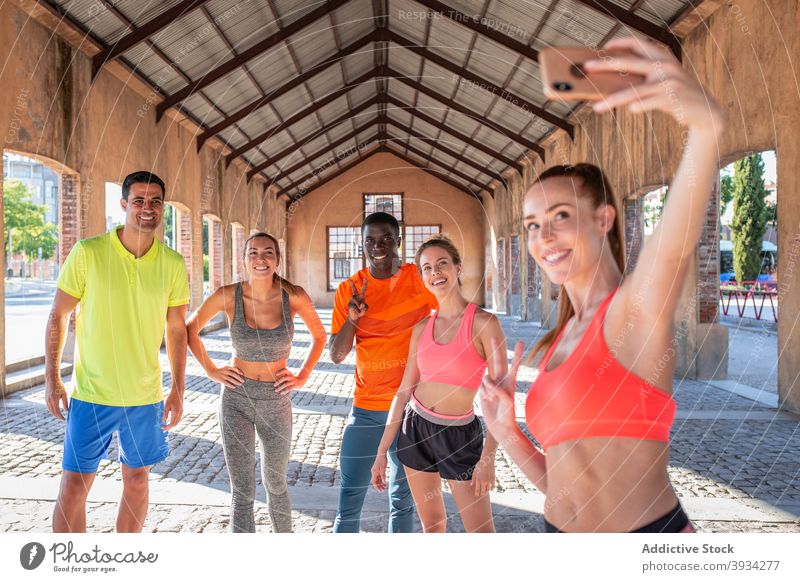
point(255, 389)
point(603, 415)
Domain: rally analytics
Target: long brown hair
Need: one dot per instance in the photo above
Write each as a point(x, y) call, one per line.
point(290, 287)
point(594, 185)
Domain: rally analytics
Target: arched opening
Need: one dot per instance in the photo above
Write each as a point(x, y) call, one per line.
point(40, 226)
point(114, 214)
point(748, 272)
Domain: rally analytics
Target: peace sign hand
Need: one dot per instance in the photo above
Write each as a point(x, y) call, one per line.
point(497, 394)
point(357, 306)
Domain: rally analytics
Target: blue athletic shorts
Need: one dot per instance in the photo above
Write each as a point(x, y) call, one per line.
point(142, 441)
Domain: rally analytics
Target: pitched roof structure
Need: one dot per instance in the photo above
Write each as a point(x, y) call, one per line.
point(302, 90)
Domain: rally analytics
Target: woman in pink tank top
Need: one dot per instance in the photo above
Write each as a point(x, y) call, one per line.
point(601, 406)
point(439, 435)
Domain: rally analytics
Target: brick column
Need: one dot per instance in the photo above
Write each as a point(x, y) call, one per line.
point(69, 224)
point(183, 237)
point(502, 280)
point(633, 212)
point(533, 287)
point(215, 258)
point(237, 251)
point(708, 263)
point(515, 264)
point(489, 270)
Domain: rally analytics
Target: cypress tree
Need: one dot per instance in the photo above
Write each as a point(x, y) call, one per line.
point(749, 217)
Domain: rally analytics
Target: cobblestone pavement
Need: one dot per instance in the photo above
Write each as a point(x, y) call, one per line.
point(736, 460)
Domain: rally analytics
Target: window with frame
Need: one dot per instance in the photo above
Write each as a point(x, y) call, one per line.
point(344, 254)
point(414, 236)
point(384, 202)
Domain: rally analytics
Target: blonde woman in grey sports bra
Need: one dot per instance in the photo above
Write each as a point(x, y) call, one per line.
point(255, 387)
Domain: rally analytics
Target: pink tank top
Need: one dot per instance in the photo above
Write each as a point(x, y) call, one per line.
point(457, 363)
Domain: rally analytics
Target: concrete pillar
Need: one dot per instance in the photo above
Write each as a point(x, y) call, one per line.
point(788, 157)
point(633, 215)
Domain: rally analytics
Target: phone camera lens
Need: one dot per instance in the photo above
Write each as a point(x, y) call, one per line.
point(577, 71)
point(562, 86)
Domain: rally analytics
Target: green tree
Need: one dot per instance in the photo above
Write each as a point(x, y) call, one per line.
point(725, 193)
point(25, 227)
point(749, 217)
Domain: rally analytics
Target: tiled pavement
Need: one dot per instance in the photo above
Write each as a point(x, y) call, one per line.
point(735, 462)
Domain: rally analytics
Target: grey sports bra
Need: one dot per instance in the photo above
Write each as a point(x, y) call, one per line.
point(261, 345)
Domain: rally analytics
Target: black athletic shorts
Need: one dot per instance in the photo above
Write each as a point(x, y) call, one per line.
point(451, 446)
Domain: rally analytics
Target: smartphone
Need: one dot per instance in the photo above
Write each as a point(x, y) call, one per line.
point(564, 78)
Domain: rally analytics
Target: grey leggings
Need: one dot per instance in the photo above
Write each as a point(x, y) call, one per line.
point(252, 408)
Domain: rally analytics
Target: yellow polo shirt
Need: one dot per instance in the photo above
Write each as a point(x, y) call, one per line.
point(121, 317)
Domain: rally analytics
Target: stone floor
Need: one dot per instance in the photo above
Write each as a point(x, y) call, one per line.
point(734, 461)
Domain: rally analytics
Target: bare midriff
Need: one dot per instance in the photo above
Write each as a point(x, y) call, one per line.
point(261, 371)
point(607, 484)
point(445, 398)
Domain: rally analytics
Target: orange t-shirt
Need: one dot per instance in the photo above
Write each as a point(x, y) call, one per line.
point(394, 307)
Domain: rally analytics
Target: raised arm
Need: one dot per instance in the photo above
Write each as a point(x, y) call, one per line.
point(55, 336)
point(230, 376)
point(409, 382)
point(656, 283)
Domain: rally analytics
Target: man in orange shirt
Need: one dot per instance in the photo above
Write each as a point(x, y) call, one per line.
point(378, 307)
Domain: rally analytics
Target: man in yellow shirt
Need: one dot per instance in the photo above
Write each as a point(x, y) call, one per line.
point(128, 284)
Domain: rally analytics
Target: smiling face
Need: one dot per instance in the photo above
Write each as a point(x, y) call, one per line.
point(261, 258)
point(567, 234)
point(144, 207)
point(380, 247)
point(439, 271)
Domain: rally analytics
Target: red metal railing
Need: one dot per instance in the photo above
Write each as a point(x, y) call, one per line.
point(758, 293)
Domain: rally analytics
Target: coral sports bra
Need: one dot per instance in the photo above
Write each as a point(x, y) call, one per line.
point(457, 363)
point(590, 394)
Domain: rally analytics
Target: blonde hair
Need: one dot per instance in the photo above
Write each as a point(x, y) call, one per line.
point(442, 242)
